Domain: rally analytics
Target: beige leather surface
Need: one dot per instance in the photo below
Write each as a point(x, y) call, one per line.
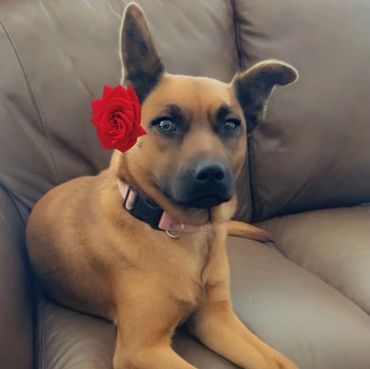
point(313, 149)
point(334, 244)
point(68, 339)
point(53, 68)
point(287, 306)
point(194, 37)
point(296, 312)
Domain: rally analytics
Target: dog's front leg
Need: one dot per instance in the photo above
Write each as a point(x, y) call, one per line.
point(146, 319)
point(217, 326)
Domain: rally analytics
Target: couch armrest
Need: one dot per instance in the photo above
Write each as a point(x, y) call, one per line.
point(16, 332)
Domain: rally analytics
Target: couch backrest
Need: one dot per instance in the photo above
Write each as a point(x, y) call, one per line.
point(56, 56)
point(311, 151)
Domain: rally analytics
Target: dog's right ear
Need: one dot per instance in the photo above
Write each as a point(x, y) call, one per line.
point(142, 66)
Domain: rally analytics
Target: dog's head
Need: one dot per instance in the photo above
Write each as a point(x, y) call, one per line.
point(196, 142)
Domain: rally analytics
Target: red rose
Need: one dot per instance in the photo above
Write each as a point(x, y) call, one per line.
point(117, 117)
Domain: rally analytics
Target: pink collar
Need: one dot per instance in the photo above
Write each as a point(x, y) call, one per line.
point(149, 212)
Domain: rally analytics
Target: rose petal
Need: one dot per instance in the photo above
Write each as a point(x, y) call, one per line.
point(133, 95)
point(118, 91)
point(106, 91)
point(97, 110)
point(129, 122)
point(118, 101)
point(128, 117)
point(140, 131)
point(127, 145)
point(97, 105)
point(105, 142)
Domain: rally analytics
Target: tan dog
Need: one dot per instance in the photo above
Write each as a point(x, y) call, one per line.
point(93, 254)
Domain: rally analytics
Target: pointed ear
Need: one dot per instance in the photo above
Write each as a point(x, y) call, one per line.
point(142, 67)
point(254, 86)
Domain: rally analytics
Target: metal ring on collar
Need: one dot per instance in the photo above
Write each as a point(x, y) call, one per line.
point(169, 234)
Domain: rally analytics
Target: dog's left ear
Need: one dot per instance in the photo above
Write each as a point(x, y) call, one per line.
point(254, 86)
point(142, 66)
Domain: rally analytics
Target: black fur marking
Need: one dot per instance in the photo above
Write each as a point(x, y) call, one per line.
point(252, 101)
point(254, 87)
point(175, 112)
point(143, 67)
point(223, 112)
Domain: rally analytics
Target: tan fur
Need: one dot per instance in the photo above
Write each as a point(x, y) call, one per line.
point(91, 255)
point(245, 230)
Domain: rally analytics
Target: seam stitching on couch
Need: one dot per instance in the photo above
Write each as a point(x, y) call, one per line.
point(236, 34)
point(35, 103)
point(40, 357)
point(9, 228)
point(250, 137)
point(251, 171)
point(13, 200)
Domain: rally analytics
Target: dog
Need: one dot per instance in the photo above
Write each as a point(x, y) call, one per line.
point(93, 254)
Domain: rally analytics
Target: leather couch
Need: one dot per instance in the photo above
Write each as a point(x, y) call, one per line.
point(307, 178)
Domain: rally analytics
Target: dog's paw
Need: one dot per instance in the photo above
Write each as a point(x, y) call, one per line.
point(279, 361)
point(267, 358)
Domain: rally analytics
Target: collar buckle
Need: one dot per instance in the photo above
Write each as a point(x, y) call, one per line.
point(142, 208)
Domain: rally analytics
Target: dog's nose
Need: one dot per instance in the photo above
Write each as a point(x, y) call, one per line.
point(209, 171)
point(206, 183)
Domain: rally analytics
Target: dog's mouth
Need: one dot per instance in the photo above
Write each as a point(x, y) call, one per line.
point(203, 202)
point(204, 185)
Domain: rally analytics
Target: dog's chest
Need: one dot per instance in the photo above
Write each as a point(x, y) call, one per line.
point(187, 284)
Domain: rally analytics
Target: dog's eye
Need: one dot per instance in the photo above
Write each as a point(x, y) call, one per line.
point(166, 126)
point(229, 126)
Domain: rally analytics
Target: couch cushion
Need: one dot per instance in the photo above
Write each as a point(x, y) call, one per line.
point(334, 244)
point(70, 340)
point(313, 149)
point(51, 71)
point(67, 339)
point(288, 307)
